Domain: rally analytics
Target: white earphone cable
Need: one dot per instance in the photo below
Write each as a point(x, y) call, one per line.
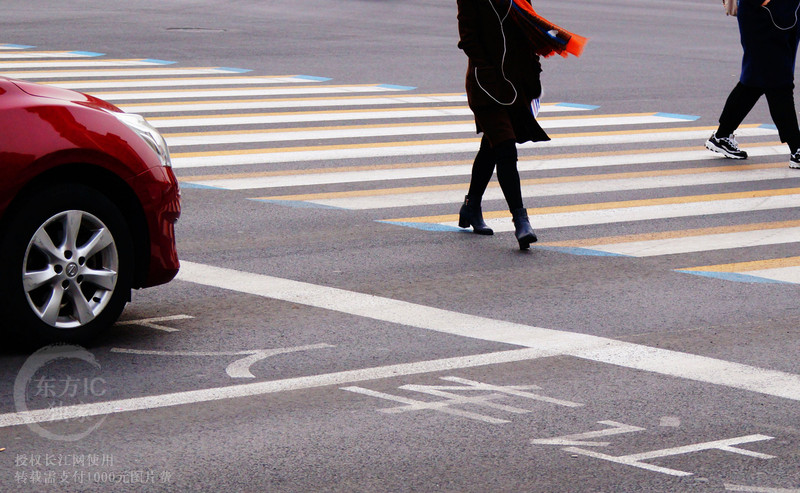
point(503, 60)
point(776, 24)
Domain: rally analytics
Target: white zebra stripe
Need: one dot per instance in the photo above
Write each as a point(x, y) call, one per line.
point(453, 147)
point(215, 81)
point(226, 93)
point(207, 139)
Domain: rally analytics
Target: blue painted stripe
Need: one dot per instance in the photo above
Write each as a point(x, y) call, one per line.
point(86, 53)
point(580, 251)
point(18, 47)
point(424, 226)
point(195, 185)
point(160, 62)
point(576, 105)
point(397, 88)
point(769, 126)
point(312, 77)
point(732, 276)
point(297, 204)
point(677, 116)
point(236, 70)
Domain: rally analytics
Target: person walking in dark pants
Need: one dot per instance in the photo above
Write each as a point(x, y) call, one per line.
point(770, 34)
point(502, 79)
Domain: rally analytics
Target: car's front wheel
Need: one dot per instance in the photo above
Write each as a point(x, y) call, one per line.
point(68, 265)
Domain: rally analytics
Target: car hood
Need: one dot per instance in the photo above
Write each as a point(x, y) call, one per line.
point(50, 92)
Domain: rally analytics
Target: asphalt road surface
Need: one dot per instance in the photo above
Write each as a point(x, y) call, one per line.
point(332, 329)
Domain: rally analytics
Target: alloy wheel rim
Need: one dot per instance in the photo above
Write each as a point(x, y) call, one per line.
point(70, 269)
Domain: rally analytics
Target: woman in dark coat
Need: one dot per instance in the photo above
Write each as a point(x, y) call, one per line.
point(502, 80)
point(770, 33)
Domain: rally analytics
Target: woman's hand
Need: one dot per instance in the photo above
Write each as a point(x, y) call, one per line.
point(731, 7)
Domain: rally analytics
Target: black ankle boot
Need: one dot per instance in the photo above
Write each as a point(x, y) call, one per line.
point(471, 215)
point(524, 232)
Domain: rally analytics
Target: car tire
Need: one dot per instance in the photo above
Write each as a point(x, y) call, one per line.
point(68, 266)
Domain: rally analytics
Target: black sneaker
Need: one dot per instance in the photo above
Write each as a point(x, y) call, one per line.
point(725, 145)
point(794, 159)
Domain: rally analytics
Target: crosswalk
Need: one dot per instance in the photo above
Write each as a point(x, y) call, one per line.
point(628, 185)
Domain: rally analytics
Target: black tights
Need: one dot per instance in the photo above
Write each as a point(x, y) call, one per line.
point(781, 108)
point(505, 156)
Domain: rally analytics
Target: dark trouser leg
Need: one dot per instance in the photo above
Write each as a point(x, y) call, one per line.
point(507, 173)
point(508, 176)
point(482, 170)
point(781, 108)
point(740, 101)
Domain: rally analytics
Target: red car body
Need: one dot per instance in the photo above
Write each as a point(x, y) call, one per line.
point(50, 136)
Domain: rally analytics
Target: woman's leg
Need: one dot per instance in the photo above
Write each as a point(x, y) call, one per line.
point(782, 110)
point(507, 173)
point(508, 176)
point(740, 101)
point(482, 170)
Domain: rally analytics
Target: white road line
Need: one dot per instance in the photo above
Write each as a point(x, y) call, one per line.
point(146, 72)
point(783, 274)
point(468, 146)
point(759, 489)
point(332, 177)
point(432, 128)
point(267, 91)
point(586, 439)
point(703, 243)
point(359, 115)
point(80, 64)
point(345, 101)
point(548, 341)
point(539, 342)
point(635, 460)
point(303, 117)
point(208, 139)
point(239, 368)
point(216, 81)
point(48, 54)
point(393, 200)
point(264, 388)
point(647, 212)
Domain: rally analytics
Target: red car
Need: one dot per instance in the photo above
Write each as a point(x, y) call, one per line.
point(88, 205)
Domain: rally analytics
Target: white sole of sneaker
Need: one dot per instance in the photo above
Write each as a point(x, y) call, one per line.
point(711, 147)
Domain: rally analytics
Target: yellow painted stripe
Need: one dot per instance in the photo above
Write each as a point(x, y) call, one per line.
point(274, 150)
point(530, 182)
point(431, 164)
point(777, 263)
point(283, 100)
point(666, 235)
point(615, 205)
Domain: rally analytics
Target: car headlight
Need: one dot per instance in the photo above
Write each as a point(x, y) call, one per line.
point(148, 133)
